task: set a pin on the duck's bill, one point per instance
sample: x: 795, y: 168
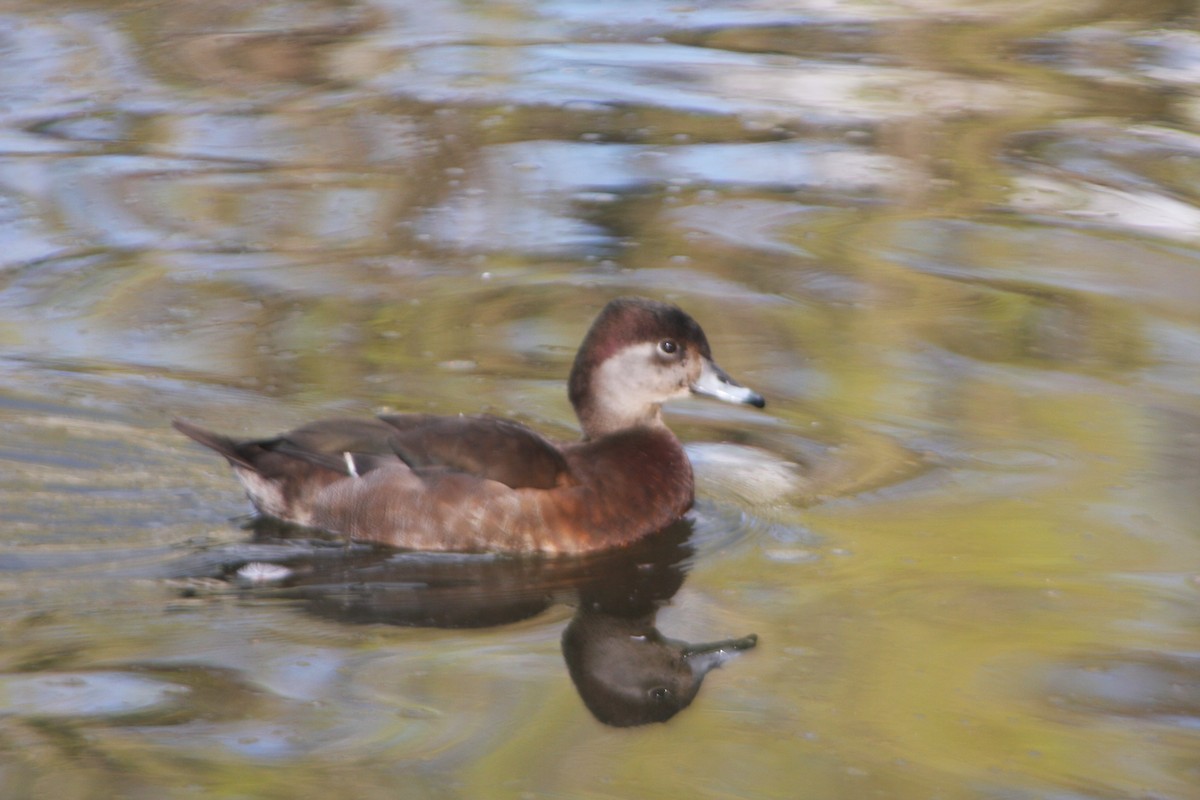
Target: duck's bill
x: 713, y: 382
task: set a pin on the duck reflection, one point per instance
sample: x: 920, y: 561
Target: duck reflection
x: 629, y: 674
x: 625, y: 670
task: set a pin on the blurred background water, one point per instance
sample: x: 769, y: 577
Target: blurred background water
x: 955, y: 244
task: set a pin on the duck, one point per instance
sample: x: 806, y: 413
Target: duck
x: 487, y: 484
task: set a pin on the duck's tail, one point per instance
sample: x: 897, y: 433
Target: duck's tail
x: 226, y: 446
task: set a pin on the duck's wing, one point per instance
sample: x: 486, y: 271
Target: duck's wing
x: 484, y: 446
x: 343, y: 446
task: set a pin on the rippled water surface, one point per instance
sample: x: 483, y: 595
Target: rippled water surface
x: 955, y: 244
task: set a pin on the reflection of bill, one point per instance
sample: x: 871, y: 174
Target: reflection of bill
x: 625, y: 670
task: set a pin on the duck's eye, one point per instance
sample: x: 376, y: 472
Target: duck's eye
x: 668, y: 347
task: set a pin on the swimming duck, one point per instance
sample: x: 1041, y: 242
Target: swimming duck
x: 482, y: 483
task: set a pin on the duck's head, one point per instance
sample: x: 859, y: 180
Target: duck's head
x: 637, y: 355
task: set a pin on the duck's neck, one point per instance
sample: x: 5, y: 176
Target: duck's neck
x: 602, y: 419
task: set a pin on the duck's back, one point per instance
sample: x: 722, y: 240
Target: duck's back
x: 484, y: 446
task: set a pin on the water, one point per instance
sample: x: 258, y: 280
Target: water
x: 957, y: 246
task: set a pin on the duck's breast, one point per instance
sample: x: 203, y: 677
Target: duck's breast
x: 631, y: 484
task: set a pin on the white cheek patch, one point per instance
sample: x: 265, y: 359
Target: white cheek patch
x: 635, y: 378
